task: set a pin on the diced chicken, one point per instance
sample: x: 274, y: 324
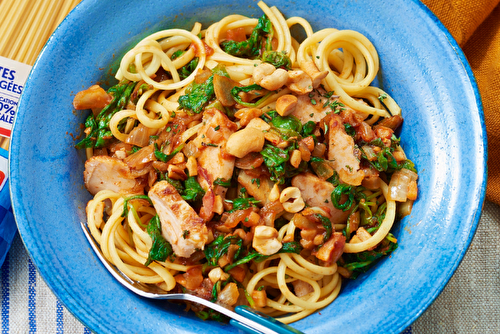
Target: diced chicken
x: 312, y: 71
x: 299, y: 82
x: 315, y: 106
x: 316, y: 193
x: 216, y: 130
x: 92, y: 98
x: 103, y: 172
x: 259, y: 188
x: 311, y: 107
x: 176, y: 217
x: 341, y: 153
x: 301, y: 288
x: 331, y: 250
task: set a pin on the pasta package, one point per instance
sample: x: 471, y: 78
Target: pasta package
x: 239, y: 164
x: 25, y: 27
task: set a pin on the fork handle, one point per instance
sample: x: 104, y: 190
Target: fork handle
x: 262, y: 319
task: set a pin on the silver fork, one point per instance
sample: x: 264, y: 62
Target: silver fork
x: 243, y: 317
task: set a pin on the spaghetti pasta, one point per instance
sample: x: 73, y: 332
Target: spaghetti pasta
x: 26, y: 28
x: 241, y: 165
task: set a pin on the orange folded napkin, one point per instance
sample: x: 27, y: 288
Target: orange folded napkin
x: 475, y: 25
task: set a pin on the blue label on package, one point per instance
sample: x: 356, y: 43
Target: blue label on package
x: 7, y: 223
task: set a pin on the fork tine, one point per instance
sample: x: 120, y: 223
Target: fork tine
x: 117, y: 274
x: 239, y: 321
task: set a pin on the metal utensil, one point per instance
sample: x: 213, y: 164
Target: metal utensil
x: 243, y: 317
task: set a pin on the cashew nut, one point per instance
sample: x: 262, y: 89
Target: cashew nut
x: 312, y: 71
x: 217, y: 274
x: 274, y: 194
x: 295, y: 158
x: 267, y: 76
x: 299, y: 82
x: 218, y: 205
x: 286, y: 104
x: 245, y: 141
x: 261, y: 71
x: 265, y: 240
x: 245, y: 115
x: 176, y: 173
x: 259, y: 124
x: 192, y: 166
x: 292, y: 201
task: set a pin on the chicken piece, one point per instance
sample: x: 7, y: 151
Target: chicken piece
x: 331, y: 250
x: 316, y: 193
x: 299, y: 82
x: 259, y: 188
x: 94, y: 98
x: 176, y: 217
x: 315, y: 106
x: 341, y: 153
x: 103, y: 172
x: 311, y: 107
x: 214, y: 159
x: 302, y: 288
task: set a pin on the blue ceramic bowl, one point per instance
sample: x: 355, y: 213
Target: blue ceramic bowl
x: 422, y: 67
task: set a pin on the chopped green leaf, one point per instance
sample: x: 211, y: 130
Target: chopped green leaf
x: 236, y: 90
x: 161, y: 248
x: 193, y: 191
x: 222, y: 182
x: 166, y: 157
x: 127, y: 200
x: 251, y: 47
x: 187, y: 69
x: 98, y: 127
x: 277, y: 59
x: 214, y: 250
x: 288, y: 247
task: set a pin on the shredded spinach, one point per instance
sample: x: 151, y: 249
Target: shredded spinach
x: 277, y: 162
x: 242, y: 203
x: 193, y: 192
x: 166, y: 157
x: 252, y: 46
x: 222, y: 182
x: 187, y: 69
x: 125, y: 202
x: 236, y: 90
x: 308, y: 129
x: 358, y: 263
x: 275, y: 159
x: 161, y: 248
x: 199, y: 94
x: 349, y: 129
x: 288, y: 247
x: 336, y: 196
x: 98, y: 126
x: 277, y: 59
x: 176, y: 183
x: 327, y: 225
x: 217, y: 248
x: 290, y: 124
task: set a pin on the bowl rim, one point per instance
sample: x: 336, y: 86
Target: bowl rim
x: 69, y: 301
